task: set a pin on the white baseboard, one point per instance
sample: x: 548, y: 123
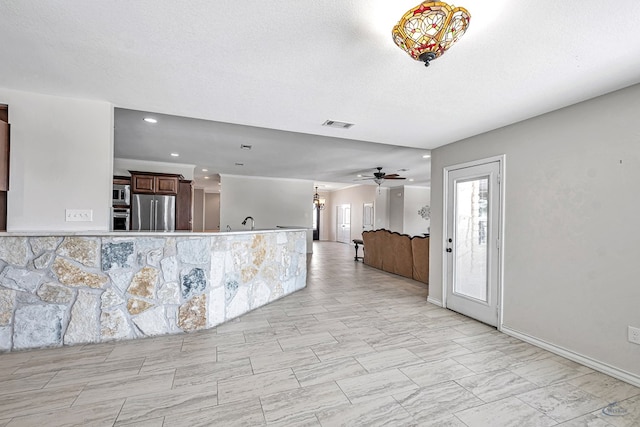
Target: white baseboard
x: 612, y: 371
x: 434, y: 301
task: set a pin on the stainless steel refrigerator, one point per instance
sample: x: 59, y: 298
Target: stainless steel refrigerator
x: 153, y: 212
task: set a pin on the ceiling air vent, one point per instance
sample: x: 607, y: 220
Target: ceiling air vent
x: 336, y: 124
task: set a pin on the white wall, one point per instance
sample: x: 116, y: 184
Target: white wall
x: 212, y: 211
x: 123, y: 166
x: 270, y: 201
x: 571, y: 275
x: 414, y: 199
x: 61, y: 158
x: 396, y: 209
x: 381, y: 208
x: 404, y: 203
x: 198, y: 209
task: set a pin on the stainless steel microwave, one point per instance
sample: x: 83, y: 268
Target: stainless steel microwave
x: 121, y: 195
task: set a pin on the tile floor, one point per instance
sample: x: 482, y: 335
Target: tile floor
x: 357, y: 347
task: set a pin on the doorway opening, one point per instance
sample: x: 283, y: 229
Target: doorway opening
x: 316, y: 222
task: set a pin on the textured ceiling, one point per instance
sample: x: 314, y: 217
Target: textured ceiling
x: 289, y: 65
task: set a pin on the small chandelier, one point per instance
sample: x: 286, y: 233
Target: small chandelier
x: 426, y: 31
x: 317, y: 201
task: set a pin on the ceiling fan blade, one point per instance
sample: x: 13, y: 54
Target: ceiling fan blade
x: 394, y: 177
x: 391, y: 175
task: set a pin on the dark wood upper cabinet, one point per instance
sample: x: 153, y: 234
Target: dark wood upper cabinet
x: 166, y: 184
x: 142, y: 184
x: 152, y: 183
x: 121, y: 180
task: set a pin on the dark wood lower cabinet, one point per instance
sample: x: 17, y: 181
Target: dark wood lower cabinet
x: 184, y: 206
x: 3, y: 211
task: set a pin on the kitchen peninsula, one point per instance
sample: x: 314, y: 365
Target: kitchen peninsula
x: 65, y: 288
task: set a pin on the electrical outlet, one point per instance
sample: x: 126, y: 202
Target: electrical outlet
x: 634, y: 335
x: 78, y: 215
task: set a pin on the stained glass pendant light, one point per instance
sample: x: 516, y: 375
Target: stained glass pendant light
x: 426, y: 31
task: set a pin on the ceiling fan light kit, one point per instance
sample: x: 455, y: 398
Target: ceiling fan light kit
x: 426, y: 31
x: 379, y: 176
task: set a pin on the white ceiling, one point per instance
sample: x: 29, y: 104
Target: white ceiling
x: 289, y: 65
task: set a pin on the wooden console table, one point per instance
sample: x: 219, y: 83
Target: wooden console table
x: 358, y: 242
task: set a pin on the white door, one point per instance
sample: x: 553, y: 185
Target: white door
x: 367, y: 216
x: 472, y: 240
x: 343, y: 226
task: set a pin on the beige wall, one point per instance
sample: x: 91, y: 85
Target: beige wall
x: 356, y: 196
x: 571, y: 275
x: 325, y: 215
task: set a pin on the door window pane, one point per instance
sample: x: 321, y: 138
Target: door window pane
x: 471, y: 238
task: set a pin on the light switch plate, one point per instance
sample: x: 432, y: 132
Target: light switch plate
x: 78, y: 215
x: 634, y: 335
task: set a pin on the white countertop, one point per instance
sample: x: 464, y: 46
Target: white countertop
x: 102, y: 233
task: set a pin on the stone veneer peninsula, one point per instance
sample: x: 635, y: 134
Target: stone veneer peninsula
x: 70, y: 288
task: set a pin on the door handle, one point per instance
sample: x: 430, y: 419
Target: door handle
x: 449, y: 250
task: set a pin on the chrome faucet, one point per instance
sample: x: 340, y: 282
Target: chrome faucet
x: 253, y: 223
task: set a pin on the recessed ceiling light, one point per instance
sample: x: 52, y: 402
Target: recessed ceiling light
x: 205, y: 170
x: 150, y: 120
x: 245, y: 147
x: 359, y: 176
x: 239, y: 164
x: 219, y: 183
x: 175, y: 155
x: 206, y: 177
x: 426, y: 156
x: 337, y: 124
x: 411, y: 180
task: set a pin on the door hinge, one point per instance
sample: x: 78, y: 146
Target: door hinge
x: 498, y: 244
x: 499, y: 178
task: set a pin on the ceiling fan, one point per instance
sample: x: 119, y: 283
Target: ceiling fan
x: 379, y: 177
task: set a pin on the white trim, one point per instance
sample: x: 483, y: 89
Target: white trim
x: 502, y: 184
x: 434, y: 301
x: 612, y: 371
x: 501, y: 159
